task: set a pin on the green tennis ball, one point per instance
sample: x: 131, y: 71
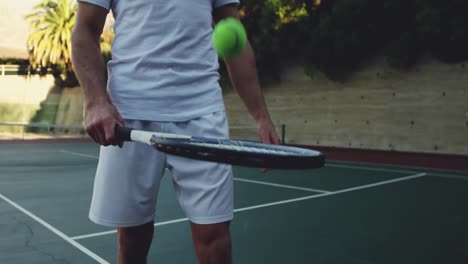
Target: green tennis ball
x: 229, y: 38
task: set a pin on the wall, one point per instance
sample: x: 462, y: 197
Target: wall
x: 71, y: 108
x: 20, y: 96
x: 424, y: 109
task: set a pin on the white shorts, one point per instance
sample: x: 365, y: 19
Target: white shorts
x: 127, y: 180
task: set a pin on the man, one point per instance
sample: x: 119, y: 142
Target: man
x: 162, y: 77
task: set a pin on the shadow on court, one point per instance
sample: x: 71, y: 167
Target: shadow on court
x: 343, y: 213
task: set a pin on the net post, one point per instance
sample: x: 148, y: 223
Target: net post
x: 283, y: 134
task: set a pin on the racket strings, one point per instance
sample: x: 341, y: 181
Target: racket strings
x: 243, y: 148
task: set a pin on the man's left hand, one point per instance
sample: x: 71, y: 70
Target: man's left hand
x: 267, y: 132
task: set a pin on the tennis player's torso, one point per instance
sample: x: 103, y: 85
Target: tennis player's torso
x: 179, y: 27
x: 163, y: 57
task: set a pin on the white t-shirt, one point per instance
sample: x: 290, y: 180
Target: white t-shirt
x: 164, y: 66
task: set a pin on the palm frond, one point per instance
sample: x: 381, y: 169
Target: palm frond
x: 51, y: 23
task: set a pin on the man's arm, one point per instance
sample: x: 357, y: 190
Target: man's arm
x: 243, y: 73
x: 101, y: 115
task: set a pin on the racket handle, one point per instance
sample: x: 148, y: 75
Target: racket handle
x: 123, y: 132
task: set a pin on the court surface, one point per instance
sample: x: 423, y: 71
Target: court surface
x: 342, y: 213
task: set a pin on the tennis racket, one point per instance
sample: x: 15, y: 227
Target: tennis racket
x: 235, y: 152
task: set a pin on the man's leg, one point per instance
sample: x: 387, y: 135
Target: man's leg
x: 212, y: 243
x: 134, y: 243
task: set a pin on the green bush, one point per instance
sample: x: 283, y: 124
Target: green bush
x: 339, y: 36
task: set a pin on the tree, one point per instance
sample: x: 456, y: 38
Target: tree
x: 49, y: 43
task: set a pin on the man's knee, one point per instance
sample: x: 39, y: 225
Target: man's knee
x: 212, y: 243
x: 135, y: 241
x: 222, y: 243
x: 214, y: 236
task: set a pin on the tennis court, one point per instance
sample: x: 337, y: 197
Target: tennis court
x: 342, y: 213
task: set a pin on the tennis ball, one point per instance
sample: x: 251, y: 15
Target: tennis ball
x: 229, y: 38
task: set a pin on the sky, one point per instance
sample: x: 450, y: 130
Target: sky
x: 22, y: 6
x: 14, y: 29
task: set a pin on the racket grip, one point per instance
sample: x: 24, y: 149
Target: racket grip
x: 123, y: 132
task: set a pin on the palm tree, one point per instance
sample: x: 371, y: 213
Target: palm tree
x: 49, y: 43
x: 107, y: 37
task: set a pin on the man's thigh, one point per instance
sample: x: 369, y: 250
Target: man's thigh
x: 127, y: 182
x: 204, y: 189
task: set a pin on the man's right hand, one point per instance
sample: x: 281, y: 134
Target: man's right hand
x: 100, y: 122
x: 89, y: 66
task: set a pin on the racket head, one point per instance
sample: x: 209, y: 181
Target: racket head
x: 241, y: 153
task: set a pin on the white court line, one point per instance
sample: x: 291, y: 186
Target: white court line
x: 359, y: 167
x: 282, y: 185
x: 79, y: 154
x: 429, y: 173
x: 398, y: 167
x: 333, y: 193
x: 56, y: 231
x: 115, y: 231
x: 278, y: 202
